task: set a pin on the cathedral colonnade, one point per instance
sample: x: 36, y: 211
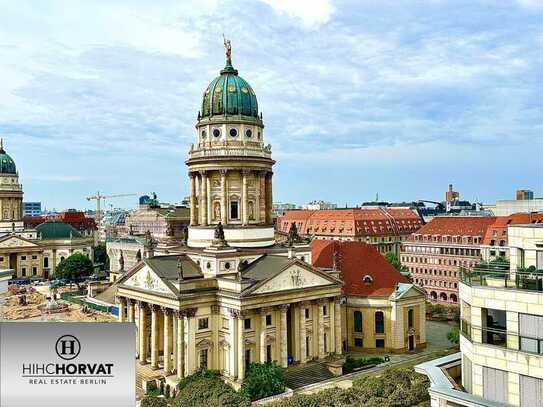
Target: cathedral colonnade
x: 178, y: 342
x: 231, y: 196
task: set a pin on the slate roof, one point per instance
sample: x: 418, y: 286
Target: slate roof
x: 355, y: 261
x: 166, y: 267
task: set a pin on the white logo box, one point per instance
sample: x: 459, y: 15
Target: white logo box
x: 64, y: 364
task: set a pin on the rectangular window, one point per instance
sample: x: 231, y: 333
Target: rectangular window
x: 23, y: 272
x: 531, y: 391
x: 379, y: 322
x: 247, y: 358
x: 34, y: 257
x: 494, y: 327
x: 268, y: 353
x: 268, y: 320
x: 307, y: 313
x: 531, y: 333
x: 495, y: 385
x: 324, y: 310
x: 358, y: 342
x: 203, y: 359
x: 379, y: 343
x: 410, y: 318
x: 247, y: 323
x: 234, y: 210
x: 357, y: 316
x: 203, y: 323
x: 539, y: 259
x: 23, y: 257
x: 34, y: 271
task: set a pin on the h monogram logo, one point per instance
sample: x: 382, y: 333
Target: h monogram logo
x: 68, y: 347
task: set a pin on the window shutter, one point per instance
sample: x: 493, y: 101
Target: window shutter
x: 495, y: 385
x: 531, y: 391
x: 531, y: 326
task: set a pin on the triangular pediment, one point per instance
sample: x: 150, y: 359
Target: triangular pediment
x: 16, y: 241
x: 295, y: 277
x: 411, y: 292
x: 146, y: 279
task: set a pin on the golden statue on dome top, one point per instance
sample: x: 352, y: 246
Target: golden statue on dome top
x: 228, y: 48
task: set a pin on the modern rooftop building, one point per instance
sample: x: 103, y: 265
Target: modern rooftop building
x: 501, y: 344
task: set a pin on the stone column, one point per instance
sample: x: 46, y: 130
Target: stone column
x: 143, y: 333
x: 263, y: 313
x: 224, y: 198
x: 154, y: 336
x: 180, y: 344
x: 167, y: 340
x: 269, y: 198
x: 245, y: 198
x: 131, y: 311
x: 203, y: 198
x: 193, y: 210
x: 263, y: 202
x: 234, y: 335
x: 337, y: 326
x: 209, y: 200
x: 284, y: 339
x: 122, y: 309
x: 190, y: 355
x: 241, y: 348
x: 321, y: 328
x: 303, y: 347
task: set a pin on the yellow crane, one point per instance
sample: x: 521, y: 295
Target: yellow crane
x: 99, y: 198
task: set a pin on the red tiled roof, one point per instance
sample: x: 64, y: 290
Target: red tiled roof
x: 457, y: 226
x: 352, y: 222
x: 501, y: 223
x: 355, y: 261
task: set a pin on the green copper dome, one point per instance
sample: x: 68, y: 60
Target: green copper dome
x: 229, y: 94
x: 7, y: 165
x: 54, y: 229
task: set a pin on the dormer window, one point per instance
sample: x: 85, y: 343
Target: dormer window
x: 367, y: 280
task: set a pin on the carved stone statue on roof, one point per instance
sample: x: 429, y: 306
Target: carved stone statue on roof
x: 228, y: 49
x: 185, y: 235
x: 293, y: 236
x: 150, y: 242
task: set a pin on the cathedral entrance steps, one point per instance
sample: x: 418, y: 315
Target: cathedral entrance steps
x: 306, y: 374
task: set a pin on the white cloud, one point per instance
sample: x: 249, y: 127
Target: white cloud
x: 312, y: 13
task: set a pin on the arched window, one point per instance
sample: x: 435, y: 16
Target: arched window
x: 357, y: 315
x: 379, y: 322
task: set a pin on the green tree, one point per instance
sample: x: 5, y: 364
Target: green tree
x: 263, y: 380
x: 150, y: 401
x: 393, y: 259
x: 454, y: 336
x: 101, y: 257
x: 74, y: 268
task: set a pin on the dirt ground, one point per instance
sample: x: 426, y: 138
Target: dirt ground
x: 22, y: 303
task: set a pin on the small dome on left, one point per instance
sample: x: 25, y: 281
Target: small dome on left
x: 7, y: 165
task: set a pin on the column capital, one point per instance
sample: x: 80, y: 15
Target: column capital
x: 264, y: 311
x: 190, y: 312
x: 338, y: 300
x: 234, y: 313
x: 304, y: 303
x: 283, y: 308
x: 323, y: 301
x: 166, y: 310
x: 153, y: 307
x: 223, y: 171
x: 203, y: 173
x: 246, y: 172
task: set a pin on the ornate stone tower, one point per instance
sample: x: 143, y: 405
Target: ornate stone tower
x: 11, y: 192
x: 230, y: 168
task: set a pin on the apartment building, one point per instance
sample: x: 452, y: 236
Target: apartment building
x: 501, y: 345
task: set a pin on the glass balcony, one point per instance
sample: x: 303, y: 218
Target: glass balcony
x: 519, y: 280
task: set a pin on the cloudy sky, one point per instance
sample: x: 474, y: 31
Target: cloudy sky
x: 396, y: 97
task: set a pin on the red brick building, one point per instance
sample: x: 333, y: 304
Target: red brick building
x: 383, y: 228
x: 435, y: 253
x: 495, y: 242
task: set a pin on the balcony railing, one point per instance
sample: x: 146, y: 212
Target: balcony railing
x: 520, y: 280
x: 499, y: 337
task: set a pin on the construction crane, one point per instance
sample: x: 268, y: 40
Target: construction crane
x: 99, y: 198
